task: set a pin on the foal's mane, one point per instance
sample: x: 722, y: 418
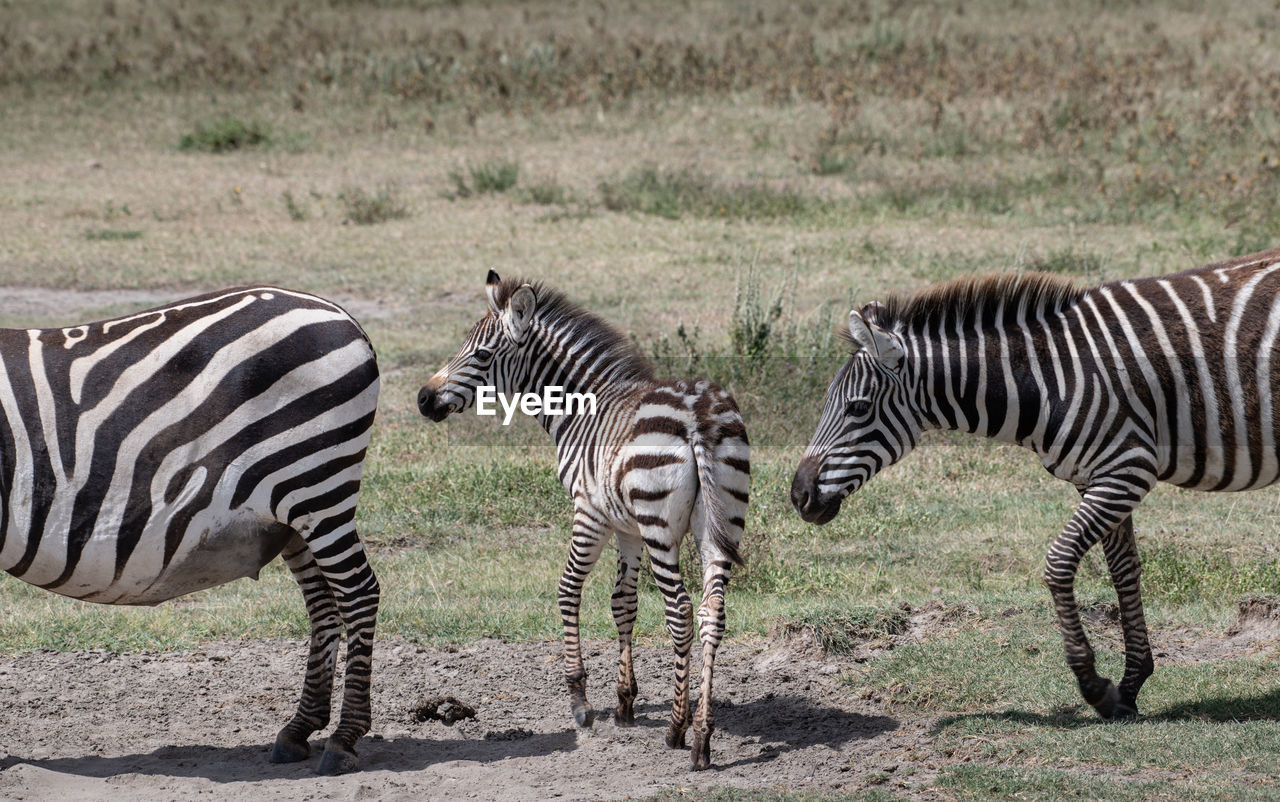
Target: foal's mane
x: 575, y: 323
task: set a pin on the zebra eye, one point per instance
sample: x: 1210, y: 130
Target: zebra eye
x: 484, y: 354
x: 857, y: 409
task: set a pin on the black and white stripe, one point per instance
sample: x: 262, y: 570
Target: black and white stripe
x: 656, y: 460
x: 1115, y: 388
x: 157, y: 454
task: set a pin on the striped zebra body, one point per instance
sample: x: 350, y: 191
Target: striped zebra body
x: 652, y: 461
x: 1115, y: 388
x: 153, y: 455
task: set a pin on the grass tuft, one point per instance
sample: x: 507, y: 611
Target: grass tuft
x: 366, y: 208
x: 225, y: 134
x: 673, y: 193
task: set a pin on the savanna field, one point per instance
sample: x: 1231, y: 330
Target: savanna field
x: 722, y: 181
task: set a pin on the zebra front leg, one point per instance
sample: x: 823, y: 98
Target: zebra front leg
x: 1126, y: 570
x: 711, y: 630
x: 665, y: 561
x: 356, y: 591
x: 317, y: 687
x: 624, y: 617
x: 1101, y: 510
x: 584, y: 550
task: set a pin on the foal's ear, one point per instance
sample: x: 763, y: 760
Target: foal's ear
x: 884, y: 345
x: 491, y: 284
x: 520, y: 309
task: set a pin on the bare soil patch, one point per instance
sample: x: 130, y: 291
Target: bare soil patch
x: 90, y: 725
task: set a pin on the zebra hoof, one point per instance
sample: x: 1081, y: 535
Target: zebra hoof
x: 675, y: 737
x: 285, y: 751
x: 624, y: 716
x: 584, y: 715
x: 1109, y: 702
x: 1124, y: 710
x: 700, y: 751
x: 334, y: 762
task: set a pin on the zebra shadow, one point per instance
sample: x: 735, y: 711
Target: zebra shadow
x: 781, y: 724
x: 1249, y: 707
x: 249, y: 763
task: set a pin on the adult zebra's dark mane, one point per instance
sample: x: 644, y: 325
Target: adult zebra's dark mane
x: 559, y: 313
x: 978, y: 298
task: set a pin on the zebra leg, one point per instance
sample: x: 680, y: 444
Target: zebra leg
x: 1126, y: 570
x: 1102, y: 509
x: 665, y: 560
x: 624, y: 617
x: 355, y: 589
x: 584, y: 550
x: 317, y: 688
x: 711, y: 630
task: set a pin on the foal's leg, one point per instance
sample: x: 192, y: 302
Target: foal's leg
x: 624, y: 617
x: 665, y: 560
x: 584, y: 550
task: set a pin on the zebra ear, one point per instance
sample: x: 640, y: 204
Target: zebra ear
x: 491, y: 284
x: 881, y: 343
x: 520, y: 310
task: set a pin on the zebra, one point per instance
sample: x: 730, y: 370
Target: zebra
x: 1114, y: 387
x: 655, y: 460
x: 182, y: 447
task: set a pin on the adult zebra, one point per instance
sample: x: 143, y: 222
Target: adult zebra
x: 651, y: 461
x: 1115, y: 388
x: 153, y: 455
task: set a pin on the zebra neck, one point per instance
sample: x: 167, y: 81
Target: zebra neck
x: 581, y: 367
x: 981, y: 380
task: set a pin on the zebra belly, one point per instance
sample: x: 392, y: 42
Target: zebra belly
x: 221, y: 553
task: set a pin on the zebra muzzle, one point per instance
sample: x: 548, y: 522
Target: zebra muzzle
x: 431, y: 406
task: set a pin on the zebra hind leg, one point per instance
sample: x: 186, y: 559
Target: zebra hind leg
x: 356, y: 590
x: 665, y: 561
x: 624, y: 617
x: 1122, y: 562
x: 711, y: 630
x: 317, y: 688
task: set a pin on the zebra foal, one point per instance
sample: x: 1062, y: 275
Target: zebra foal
x: 1114, y: 387
x: 649, y: 462
x: 157, y: 454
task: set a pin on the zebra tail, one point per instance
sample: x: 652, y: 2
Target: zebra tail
x: 717, y: 525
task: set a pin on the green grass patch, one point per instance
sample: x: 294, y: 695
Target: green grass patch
x: 365, y: 208
x: 483, y: 178
x: 674, y: 193
x: 225, y: 134
x: 111, y: 234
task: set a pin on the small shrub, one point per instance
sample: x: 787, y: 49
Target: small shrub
x: 225, y: 134
x: 494, y: 176
x: 546, y: 193
x: 364, y: 208
x: 486, y: 177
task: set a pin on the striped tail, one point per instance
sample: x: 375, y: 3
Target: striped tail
x: 717, y: 525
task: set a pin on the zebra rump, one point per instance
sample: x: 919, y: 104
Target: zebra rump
x: 171, y: 450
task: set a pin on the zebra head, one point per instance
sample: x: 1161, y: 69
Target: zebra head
x: 489, y: 356
x: 868, y: 421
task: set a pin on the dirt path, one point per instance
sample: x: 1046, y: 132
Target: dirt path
x: 89, y: 725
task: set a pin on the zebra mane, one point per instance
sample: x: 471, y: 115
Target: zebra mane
x: 577, y: 324
x: 973, y: 299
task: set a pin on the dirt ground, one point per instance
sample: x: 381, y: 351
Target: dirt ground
x: 93, y: 725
